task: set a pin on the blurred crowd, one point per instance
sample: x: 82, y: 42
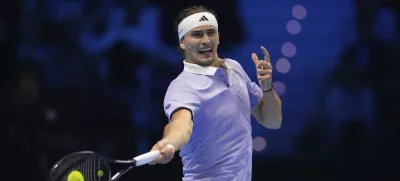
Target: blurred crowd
x: 357, y: 117
x: 88, y: 75
x: 85, y: 75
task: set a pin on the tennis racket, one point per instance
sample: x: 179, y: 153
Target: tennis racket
x: 90, y: 166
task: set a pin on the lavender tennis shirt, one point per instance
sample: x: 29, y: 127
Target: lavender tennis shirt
x: 220, y: 148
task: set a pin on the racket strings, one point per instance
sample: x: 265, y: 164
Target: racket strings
x: 67, y: 166
x: 92, y: 167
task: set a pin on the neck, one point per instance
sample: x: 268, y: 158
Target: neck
x: 217, y: 62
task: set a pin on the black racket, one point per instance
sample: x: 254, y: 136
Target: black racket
x: 90, y: 166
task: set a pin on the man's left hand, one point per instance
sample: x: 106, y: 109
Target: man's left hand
x: 264, y: 70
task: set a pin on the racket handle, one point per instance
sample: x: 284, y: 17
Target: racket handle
x: 148, y: 157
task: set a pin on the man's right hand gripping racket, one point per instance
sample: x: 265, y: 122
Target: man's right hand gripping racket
x: 90, y: 166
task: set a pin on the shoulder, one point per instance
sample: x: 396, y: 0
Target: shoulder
x: 182, y: 84
x: 182, y: 92
x: 182, y: 80
x: 233, y: 63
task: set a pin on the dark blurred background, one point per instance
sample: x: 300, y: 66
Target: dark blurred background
x: 92, y: 74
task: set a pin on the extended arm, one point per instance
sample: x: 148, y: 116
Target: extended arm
x: 178, y: 131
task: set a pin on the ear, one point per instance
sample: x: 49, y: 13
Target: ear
x: 181, y: 44
x: 218, y: 39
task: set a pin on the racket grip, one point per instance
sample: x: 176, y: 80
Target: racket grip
x: 146, y: 158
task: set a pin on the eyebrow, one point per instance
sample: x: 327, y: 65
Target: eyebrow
x: 199, y: 31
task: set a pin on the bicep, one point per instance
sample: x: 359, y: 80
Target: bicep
x: 183, y: 115
x: 181, y: 121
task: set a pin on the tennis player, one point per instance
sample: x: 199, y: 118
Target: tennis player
x: 209, y: 105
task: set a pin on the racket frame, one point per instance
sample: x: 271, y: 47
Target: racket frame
x: 131, y: 162
x: 54, y: 167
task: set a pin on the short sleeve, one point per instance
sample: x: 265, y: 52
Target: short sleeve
x: 180, y: 96
x: 255, y: 93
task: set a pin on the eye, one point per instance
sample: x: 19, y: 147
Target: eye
x: 197, y: 34
x: 211, y: 33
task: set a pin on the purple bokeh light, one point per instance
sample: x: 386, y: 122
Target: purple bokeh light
x: 299, y: 12
x: 279, y: 88
x: 259, y: 143
x: 288, y: 49
x: 282, y: 65
x: 293, y: 27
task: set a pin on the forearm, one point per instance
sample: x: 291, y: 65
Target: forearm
x: 269, y: 111
x: 178, y: 133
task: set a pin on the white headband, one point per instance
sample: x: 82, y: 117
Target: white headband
x: 195, y: 20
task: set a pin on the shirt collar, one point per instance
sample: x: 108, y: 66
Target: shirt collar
x: 198, y: 69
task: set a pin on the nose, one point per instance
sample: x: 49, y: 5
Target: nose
x: 205, y: 39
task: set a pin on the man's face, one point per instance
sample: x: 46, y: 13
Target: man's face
x: 200, y: 45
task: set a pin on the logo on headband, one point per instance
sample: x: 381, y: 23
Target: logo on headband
x: 203, y: 18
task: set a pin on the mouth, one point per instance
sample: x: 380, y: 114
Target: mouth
x: 205, y: 50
